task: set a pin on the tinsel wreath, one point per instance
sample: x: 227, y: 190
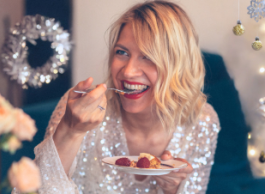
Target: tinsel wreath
x: 15, y: 51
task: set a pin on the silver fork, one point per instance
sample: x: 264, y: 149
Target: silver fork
x: 125, y: 91
x: 167, y: 165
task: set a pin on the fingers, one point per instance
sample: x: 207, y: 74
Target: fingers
x: 101, y: 103
x: 188, y: 169
x: 91, y: 100
x: 83, y: 85
x: 85, y: 100
x: 162, y: 181
x: 168, y: 184
x: 179, y: 175
x: 98, y: 115
x: 171, y: 180
x: 95, y: 93
x: 166, y: 155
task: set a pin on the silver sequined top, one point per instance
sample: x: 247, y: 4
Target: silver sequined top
x: 89, y: 176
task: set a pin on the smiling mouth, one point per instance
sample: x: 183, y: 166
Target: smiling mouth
x: 135, y: 88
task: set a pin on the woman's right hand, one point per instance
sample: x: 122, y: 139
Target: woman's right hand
x: 82, y: 112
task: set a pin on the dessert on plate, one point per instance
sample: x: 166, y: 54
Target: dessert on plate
x: 154, y: 161
x: 144, y: 161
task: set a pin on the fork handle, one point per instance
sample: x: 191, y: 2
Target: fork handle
x: 83, y: 92
x: 89, y: 90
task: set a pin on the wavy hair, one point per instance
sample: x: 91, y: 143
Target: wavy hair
x: 165, y: 34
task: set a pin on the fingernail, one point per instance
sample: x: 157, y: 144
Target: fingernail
x: 105, y: 86
x: 175, y: 170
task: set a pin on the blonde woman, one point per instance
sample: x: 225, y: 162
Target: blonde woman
x: 153, y: 48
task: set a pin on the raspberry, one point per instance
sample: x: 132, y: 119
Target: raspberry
x: 143, y: 163
x: 123, y: 162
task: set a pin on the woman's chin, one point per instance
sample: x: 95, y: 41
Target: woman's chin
x: 133, y: 110
x: 135, y: 106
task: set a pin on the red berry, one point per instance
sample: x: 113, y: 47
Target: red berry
x: 143, y: 163
x: 123, y: 162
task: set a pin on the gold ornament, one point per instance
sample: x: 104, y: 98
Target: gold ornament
x: 239, y: 29
x: 257, y: 44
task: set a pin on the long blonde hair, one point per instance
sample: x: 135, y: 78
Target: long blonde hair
x: 165, y: 34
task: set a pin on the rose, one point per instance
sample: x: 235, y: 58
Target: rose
x: 25, y: 176
x: 24, y: 128
x: 12, y: 144
x: 4, y: 103
x: 7, y: 117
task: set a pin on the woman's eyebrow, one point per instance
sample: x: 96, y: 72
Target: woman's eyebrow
x: 123, y: 47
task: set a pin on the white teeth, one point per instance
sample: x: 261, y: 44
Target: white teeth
x: 134, y: 87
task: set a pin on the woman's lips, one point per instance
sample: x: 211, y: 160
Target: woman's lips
x: 132, y: 83
x: 133, y: 96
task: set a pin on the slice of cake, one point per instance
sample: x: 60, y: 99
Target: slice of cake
x: 154, y: 161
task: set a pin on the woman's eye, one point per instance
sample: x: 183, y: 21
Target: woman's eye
x: 121, y: 52
x: 146, y: 57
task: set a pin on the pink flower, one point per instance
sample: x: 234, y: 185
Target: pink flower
x: 12, y: 144
x: 7, y: 117
x: 25, y: 176
x: 24, y: 128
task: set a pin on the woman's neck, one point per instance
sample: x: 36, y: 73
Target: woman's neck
x: 141, y: 123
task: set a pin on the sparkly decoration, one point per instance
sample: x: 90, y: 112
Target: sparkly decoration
x: 239, y: 29
x: 256, y: 9
x: 262, y: 157
x: 15, y: 51
x: 257, y: 44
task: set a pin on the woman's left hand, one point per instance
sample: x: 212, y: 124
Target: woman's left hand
x: 169, y: 183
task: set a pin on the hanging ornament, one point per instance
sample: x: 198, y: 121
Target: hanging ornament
x: 256, y: 9
x: 239, y: 29
x: 257, y: 44
x: 261, y: 108
x: 262, y: 157
x: 15, y: 51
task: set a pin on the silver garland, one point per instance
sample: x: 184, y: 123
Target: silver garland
x: 15, y: 51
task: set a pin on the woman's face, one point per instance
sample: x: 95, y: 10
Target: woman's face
x: 131, y: 69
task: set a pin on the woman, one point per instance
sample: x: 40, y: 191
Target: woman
x: 153, y: 48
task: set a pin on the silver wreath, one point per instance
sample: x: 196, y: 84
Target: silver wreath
x: 15, y: 51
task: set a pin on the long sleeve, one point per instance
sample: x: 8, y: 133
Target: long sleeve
x: 202, y: 157
x: 197, y: 145
x: 54, y: 178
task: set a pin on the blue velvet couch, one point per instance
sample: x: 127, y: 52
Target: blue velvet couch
x: 231, y: 171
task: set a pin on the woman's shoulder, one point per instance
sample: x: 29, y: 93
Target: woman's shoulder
x: 209, y: 114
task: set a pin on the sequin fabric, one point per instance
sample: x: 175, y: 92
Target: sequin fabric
x: 88, y: 175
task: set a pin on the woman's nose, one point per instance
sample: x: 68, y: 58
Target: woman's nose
x: 132, y: 68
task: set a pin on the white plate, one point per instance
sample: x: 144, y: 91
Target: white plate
x: 145, y: 171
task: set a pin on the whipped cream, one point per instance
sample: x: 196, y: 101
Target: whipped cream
x: 148, y: 156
